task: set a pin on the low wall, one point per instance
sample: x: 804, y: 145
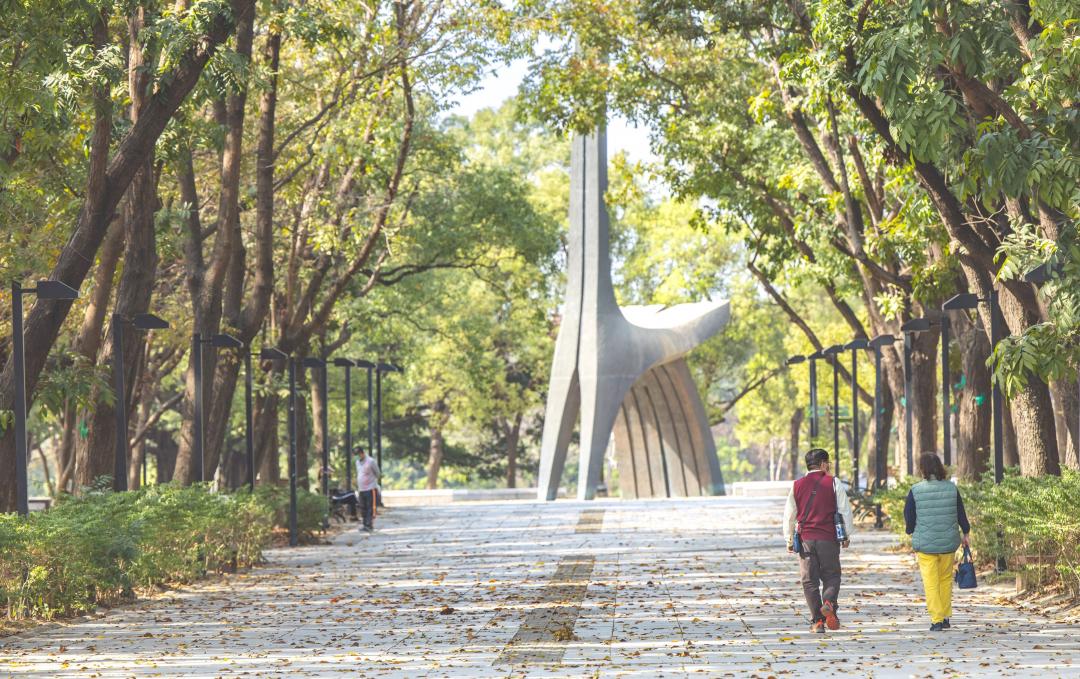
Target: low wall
x: 442, y: 496
x: 759, y: 488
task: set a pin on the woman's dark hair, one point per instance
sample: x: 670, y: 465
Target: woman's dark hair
x: 815, y: 456
x: 930, y: 466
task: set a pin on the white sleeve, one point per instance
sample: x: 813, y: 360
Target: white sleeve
x: 789, y: 516
x: 843, y: 505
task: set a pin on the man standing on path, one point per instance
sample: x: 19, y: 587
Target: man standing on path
x: 367, y: 486
x: 815, y: 506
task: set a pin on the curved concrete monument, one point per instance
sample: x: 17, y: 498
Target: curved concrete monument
x: 624, y: 368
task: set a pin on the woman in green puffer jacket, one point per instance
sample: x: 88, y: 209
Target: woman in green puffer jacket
x: 937, y: 523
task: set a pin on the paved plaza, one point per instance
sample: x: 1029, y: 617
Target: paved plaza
x: 660, y: 588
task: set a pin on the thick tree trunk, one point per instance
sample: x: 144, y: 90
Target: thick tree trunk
x: 973, y: 452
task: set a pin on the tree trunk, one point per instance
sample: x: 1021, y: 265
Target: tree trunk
x: 793, y: 446
x: 973, y: 404
x: 319, y: 435
x: 1067, y: 407
x: 435, y: 451
x: 1011, y: 451
x: 513, y: 436
x: 138, y: 451
x: 303, y: 431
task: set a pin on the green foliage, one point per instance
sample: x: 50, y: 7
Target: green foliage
x: 1033, y: 522
x: 100, y: 548
x: 311, y: 508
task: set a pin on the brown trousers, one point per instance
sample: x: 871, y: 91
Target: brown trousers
x: 819, y: 570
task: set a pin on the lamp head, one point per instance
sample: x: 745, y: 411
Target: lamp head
x: 860, y: 343
x: 225, y: 341
x: 833, y: 350
x: 965, y: 300
x: 344, y: 363
x: 55, y: 290
x: 795, y: 360
x: 917, y: 325
x: 882, y: 341
x: 1039, y: 274
x: 313, y: 362
x: 272, y: 354
x: 361, y: 363
x: 817, y: 355
x: 149, y: 322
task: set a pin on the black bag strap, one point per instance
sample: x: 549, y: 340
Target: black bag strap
x: 810, y: 504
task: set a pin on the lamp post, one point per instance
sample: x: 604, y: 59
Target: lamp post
x: 50, y: 290
x: 348, y: 364
x: 219, y: 341
x: 880, y: 437
x: 814, y: 428
x: 320, y: 364
x: 911, y: 328
x: 120, y: 456
x: 854, y: 346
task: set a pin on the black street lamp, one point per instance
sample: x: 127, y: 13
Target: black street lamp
x: 911, y: 328
x: 814, y: 428
x: 219, y: 341
x: 380, y: 369
x: 51, y: 290
x: 348, y: 364
x: 854, y: 346
x: 120, y: 457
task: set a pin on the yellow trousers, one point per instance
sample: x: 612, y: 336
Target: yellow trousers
x: 937, y: 579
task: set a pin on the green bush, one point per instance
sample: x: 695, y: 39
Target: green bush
x: 98, y: 549
x: 1033, y: 522
x: 312, y: 509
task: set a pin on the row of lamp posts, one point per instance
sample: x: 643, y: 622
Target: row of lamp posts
x: 59, y: 291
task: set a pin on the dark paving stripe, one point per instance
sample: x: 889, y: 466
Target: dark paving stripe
x: 549, y: 625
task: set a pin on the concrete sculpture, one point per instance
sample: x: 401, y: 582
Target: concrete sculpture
x: 623, y: 368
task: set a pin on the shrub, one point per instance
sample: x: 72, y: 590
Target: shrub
x: 98, y: 549
x: 1033, y: 522
x: 312, y: 509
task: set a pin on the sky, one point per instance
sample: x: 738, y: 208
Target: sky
x: 502, y: 82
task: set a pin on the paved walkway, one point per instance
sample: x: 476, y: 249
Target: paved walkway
x: 610, y: 589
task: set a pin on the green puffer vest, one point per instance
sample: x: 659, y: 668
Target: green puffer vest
x: 936, y: 529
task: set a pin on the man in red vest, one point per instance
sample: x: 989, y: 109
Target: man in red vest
x: 816, y: 504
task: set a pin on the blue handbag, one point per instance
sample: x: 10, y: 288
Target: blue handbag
x: 965, y: 571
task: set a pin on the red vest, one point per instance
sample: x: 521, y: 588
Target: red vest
x: 818, y: 524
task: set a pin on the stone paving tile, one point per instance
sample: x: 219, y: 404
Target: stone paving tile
x: 677, y: 589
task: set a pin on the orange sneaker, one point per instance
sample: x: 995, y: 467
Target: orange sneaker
x: 818, y: 627
x: 828, y: 609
